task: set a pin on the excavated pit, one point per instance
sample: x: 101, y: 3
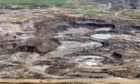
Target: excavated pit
x: 71, y: 47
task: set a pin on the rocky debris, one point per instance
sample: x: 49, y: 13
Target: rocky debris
x: 60, y: 68
x: 129, y: 73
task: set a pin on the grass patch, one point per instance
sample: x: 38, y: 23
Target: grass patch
x: 60, y: 3
x: 83, y: 5
x: 132, y: 14
x: 9, y: 18
x: 91, y: 13
x: 34, y: 2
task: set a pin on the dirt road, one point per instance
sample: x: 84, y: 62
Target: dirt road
x: 104, y: 80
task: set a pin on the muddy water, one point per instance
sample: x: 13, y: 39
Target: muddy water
x: 116, y: 36
x: 3, y: 57
x: 95, y: 75
x: 68, y: 47
x: 91, y: 44
x: 101, y: 36
x: 103, y: 29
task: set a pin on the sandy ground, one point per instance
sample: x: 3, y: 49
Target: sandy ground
x: 105, y: 80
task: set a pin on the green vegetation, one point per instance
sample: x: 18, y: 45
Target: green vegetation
x: 132, y: 14
x: 27, y: 3
x: 34, y: 2
x: 91, y: 13
x: 60, y: 3
x: 10, y: 18
x: 83, y: 5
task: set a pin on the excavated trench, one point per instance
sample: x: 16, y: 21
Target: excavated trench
x: 67, y: 47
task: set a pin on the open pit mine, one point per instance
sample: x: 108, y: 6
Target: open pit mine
x: 67, y: 47
x: 53, y: 46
